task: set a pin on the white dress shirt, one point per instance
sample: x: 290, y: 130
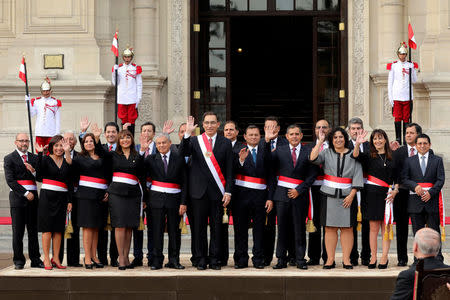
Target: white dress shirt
x: 297, y: 149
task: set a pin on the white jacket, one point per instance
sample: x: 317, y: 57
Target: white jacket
x: 48, y: 115
x: 398, y: 81
x: 130, y: 84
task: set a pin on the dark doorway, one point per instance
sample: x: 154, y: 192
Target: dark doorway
x: 271, y: 70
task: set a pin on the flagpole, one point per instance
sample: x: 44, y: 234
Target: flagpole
x: 116, y: 75
x: 410, y: 89
x: 28, y: 105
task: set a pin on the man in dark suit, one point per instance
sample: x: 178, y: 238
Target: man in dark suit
x: 270, y: 226
x: 316, y: 247
x: 401, y: 215
x: 356, y: 125
x: 252, y: 173
x: 424, y: 176
x: 210, y: 185
x: 20, y: 175
x: 427, y: 243
x: 167, y: 200
x: 291, y: 195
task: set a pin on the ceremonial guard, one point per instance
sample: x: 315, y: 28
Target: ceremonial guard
x: 129, y: 88
x: 47, y: 112
x: 399, y: 92
x: 23, y: 199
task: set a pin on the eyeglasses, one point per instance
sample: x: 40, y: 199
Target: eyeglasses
x: 23, y: 141
x: 323, y: 127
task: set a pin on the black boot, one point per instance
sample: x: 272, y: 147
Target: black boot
x: 404, y: 132
x: 398, y: 132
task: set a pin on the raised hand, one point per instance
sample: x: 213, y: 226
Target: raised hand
x: 168, y: 127
x: 394, y: 145
x: 361, y: 137
x: 39, y: 148
x: 125, y: 126
x: 322, y: 136
x: 270, y: 132
x: 29, y: 167
x: 190, y: 127
x: 243, y: 154
x: 96, y: 131
x: 84, y: 124
x: 145, y: 142
x: 66, y: 145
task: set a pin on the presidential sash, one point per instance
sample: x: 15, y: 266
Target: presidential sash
x: 211, y: 162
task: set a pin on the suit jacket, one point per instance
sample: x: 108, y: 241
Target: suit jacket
x: 399, y: 156
x: 15, y: 170
x: 200, y: 177
x: 434, y: 173
x: 283, y: 166
x: 405, y: 280
x: 366, y: 146
x: 176, y: 173
x: 237, y: 147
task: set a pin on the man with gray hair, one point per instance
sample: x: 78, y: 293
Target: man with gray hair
x: 427, y: 243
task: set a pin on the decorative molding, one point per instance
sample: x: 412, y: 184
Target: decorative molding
x: 7, y: 18
x: 387, y: 108
x: 358, y: 58
x: 145, y: 107
x: 177, y: 57
x: 73, y: 20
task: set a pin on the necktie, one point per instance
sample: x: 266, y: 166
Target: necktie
x: 211, y: 142
x: 422, y: 165
x: 147, y: 152
x: 272, y: 144
x: 294, y: 156
x: 110, y: 148
x: 411, y: 152
x: 24, y: 157
x: 165, y: 163
x: 254, y: 155
x: 321, y: 147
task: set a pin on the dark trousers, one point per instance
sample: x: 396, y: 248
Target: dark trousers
x: 401, y: 217
x: 21, y: 217
x: 419, y: 220
x: 102, y: 247
x: 204, y: 208
x: 138, y: 240
x: 224, y: 247
x: 316, y: 246
x: 158, y: 222
x: 269, y: 236
x: 292, y: 212
x: 365, y: 247
x: 245, y: 210
x: 73, y: 244
x: 195, y: 255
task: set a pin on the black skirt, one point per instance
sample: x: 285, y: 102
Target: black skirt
x: 124, y: 210
x: 90, y: 213
x: 373, y: 202
x: 52, y: 210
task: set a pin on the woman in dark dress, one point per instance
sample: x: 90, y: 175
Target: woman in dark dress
x: 90, y: 166
x: 54, y: 198
x: 125, y: 194
x: 378, y: 191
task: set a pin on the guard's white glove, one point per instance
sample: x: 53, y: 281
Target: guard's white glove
x: 116, y: 67
x: 392, y: 102
x: 27, y: 98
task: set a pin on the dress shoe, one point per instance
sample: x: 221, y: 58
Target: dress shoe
x: 216, y: 267
x: 177, y: 266
x: 372, y: 266
x: 137, y: 263
x: 98, y: 265
x: 365, y: 262
x: 239, y: 266
x: 402, y: 263
x: 259, y: 266
x: 37, y: 264
x: 201, y: 267
x: 292, y: 262
x: 122, y: 268
x: 130, y: 266
x: 76, y: 265
x: 329, y: 267
x: 114, y: 263
x: 279, y: 265
x: 267, y: 263
x: 54, y: 264
x: 348, y: 267
x: 156, y: 267
x: 89, y: 266
x: 383, y: 266
x: 104, y: 263
x: 313, y: 262
x: 354, y: 262
x: 18, y: 267
x: 48, y: 268
x: 302, y: 266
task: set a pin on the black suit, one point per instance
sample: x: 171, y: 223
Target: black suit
x: 424, y: 212
x: 249, y: 204
x: 405, y: 281
x: 365, y: 227
x: 164, y: 205
x: 292, y: 211
x: 206, y: 196
x: 102, y: 248
x: 23, y: 212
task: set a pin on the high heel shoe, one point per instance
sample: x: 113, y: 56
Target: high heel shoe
x: 383, y: 266
x: 98, y: 265
x: 329, y: 267
x: 56, y: 265
x: 372, y: 266
x: 48, y: 268
x: 348, y: 267
x: 89, y: 266
x: 121, y: 268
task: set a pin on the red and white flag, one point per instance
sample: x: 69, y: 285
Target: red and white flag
x: 22, y: 70
x: 115, y: 47
x: 411, y: 39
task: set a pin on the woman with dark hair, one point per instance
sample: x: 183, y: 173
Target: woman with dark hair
x: 55, y: 197
x: 91, y: 168
x: 125, y: 193
x: 378, y: 190
x: 343, y: 177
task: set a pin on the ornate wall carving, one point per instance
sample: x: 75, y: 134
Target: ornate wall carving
x: 7, y: 20
x: 145, y: 107
x: 177, y: 58
x: 387, y: 108
x: 358, y: 58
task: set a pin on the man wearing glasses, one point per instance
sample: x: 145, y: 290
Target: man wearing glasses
x: 20, y: 176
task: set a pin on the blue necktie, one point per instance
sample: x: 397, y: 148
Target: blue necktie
x: 254, y: 155
x: 272, y: 144
x: 423, y: 166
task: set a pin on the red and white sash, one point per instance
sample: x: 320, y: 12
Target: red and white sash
x: 125, y: 178
x: 93, y: 182
x: 318, y: 181
x: 165, y: 187
x: 250, y: 182
x: 287, y: 182
x: 388, y: 210
x: 211, y: 161
x: 372, y: 180
x: 53, y: 185
x: 337, y: 182
x: 29, y: 185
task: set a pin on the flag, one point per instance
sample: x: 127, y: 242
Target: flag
x: 22, y: 70
x: 114, y: 47
x: 411, y: 39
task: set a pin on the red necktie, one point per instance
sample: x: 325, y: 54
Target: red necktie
x: 147, y: 152
x: 411, y: 152
x: 110, y: 148
x: 294, y: 157
x: 24, y: 157
x: 321, y: 147
x: 211, y: 142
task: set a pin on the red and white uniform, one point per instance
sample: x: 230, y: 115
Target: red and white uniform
x: 48, y: 116
x: 130, y: 84
x: 398, y: 82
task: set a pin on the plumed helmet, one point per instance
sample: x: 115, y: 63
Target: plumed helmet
x: 128, y: 52
x: 46, y: 86
x: 402, y: 49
